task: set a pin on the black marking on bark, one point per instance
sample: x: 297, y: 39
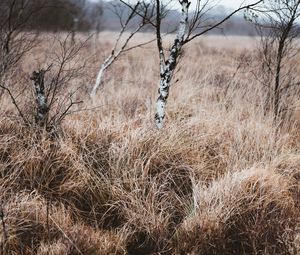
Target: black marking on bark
x: 41, y: 98
x: 159, y: 118
x: 162, y: 98
x: 170, y: 64
x: 173, y: 64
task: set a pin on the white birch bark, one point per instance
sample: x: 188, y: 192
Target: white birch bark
x: 41, y: 99
x: 167, y: 68
x: 113, y: 56
x: 103, y: 67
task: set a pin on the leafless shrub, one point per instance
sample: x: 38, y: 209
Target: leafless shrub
x: 277, y: 24
x: 52, y: 91
x: 15, y: 40
x: 140, y: 15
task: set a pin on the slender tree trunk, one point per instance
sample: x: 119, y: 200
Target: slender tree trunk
x: 116, y: 53
x: 276, y: 94
x: 113, y: 56
x: 103, y: 68
x: 74, y: 29
x: 41, y: 99
x: 280, y: 54
x: 167, y: 68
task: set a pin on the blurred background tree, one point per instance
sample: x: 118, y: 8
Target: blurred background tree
x: 51, y: 15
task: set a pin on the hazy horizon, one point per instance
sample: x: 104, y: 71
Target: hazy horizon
x: 227, y: 3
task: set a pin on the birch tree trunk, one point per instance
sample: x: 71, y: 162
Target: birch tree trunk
x: 103, y: 67
x: 113, y: 57
x: 41, y: 99
x: 167, y: 67
x: 119, y: 48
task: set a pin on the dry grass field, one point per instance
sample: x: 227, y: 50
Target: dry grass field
x: 219, y: 178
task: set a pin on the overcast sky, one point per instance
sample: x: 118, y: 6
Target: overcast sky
x: 231, y: 3
x: 227, y: 3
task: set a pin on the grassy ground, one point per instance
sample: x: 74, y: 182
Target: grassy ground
x: 218, y: 179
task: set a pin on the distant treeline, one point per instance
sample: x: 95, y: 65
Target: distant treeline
x: 86, y: 15
x: 51, y: 15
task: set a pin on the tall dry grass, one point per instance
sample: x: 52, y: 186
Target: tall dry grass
x: 218, y: 179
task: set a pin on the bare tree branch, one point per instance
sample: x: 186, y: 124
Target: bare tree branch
x: 249, y: 6
x: 184, y: 35
x: 120, y: 48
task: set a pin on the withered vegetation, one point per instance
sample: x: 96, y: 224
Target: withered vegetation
x: 219, y: 178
